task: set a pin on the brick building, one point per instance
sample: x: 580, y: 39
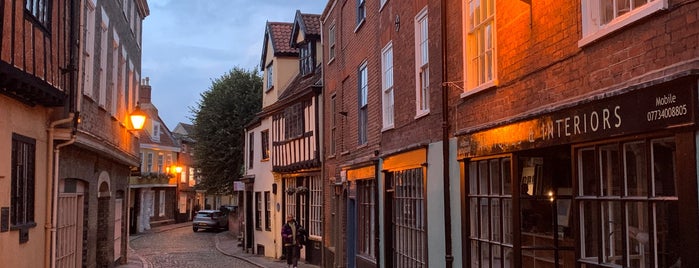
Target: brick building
x: 95, y: 165
x: 383, y: 148
x: 576, y: 134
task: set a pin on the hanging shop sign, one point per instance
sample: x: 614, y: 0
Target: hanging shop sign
x: 663, y: 106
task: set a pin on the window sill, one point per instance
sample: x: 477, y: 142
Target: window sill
x: 331, y: 60
x: 483, y: 87
x: 269, y: 89
x: 423, y: 113
x: 264, y: 160
x: 359, y: 25
x: 387, y: 128
x: 22, y: 226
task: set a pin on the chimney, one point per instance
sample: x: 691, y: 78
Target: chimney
x: 144, y: 93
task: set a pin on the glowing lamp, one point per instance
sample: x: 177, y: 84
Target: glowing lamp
x: 138, y: 118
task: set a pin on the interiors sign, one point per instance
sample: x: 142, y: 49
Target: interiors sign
x: 659, y: 107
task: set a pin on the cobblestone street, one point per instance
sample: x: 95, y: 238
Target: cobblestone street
x: 180, y: 247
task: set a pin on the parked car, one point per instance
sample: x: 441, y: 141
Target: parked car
x: 210, y: 219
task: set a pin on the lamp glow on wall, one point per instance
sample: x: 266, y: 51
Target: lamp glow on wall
x: 138, y: 118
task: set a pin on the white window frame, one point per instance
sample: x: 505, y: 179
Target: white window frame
x: 104, y: 43
x: 331, y: 42
x: 270, y: 76
x: 161, y: 164
x: 115, y: 75
x: 422, y: 70
x: 592, y: 27
x: 89, y: 53
x: 316, y: 218
x: 156, y: 131
x: 382, y: 3
x: 387, y: 86
x: 362, y: 104
x: 474, y: 52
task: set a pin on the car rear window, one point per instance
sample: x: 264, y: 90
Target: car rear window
x: 203, y: 215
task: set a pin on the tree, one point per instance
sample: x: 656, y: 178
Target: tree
x: 219, y: 127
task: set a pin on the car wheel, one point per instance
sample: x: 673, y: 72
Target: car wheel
x: 195, y: 229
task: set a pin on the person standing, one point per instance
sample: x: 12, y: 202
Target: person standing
x: 291, y: 241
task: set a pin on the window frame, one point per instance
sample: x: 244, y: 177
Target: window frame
x: 306, y: 59
x: 161, y: 203
x: 268, y: 211
x: 333, y: 125
x: 332, y: 34
x: 264, y: 144
x: 366, y: 218
x: 593, y: 29
x: 422, y: 64
x: 23, y: 183
x: 258, y: 211
x: 270, y: 76
x: 387, y: 84
x: 315, y: 228
x: 39, y: 12
x: 251, y: 149
x: 471, y: 83
x: 361, y: 13
x: 362, y: 103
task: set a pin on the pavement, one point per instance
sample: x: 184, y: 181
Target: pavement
x: 226, y: 243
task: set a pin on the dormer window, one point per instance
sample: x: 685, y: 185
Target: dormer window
x: 270, y: 77
x: 156, y: 132
x: 306, y: 58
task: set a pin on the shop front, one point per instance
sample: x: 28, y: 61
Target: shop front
x: 606, y: 181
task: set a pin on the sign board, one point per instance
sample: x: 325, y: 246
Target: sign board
x: 238, y: 186
x: 659, y: 107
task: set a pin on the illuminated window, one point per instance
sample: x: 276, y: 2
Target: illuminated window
x: 480, y: 51
x: 387, y: 85
x: 602, y: 17
x: 422, y: 66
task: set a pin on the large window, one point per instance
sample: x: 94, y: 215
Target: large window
x: 627, y: 200
x: 294, y: 121
x: 23, y: 179
x: 161, y: 203
x: 490, y: 213
x: 422, y: 66
x: 480, y: 48
x: 39, y: 9
x: 89, y: 51
x: 258, y: 210
x: 316, y: 218
x: 408, y: 217
x: 366, y: 221
x: 387, y: 85
x: 601, y: 17
x: 268, y: 212
x: 362, y: 98
x: 104, y: 43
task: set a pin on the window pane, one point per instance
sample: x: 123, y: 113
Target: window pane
x: 495, y: 220
x: 483, y: 177
x: 495, y: 177
x: 635, y: 168
x: 612, y: 233
x: 484, y: 206
x: 586, y: 172
x: 589, y: 228
x: 667, y: 224
x: 507, y: 221
x: 664, y: 182
x: 609, y: 168
x: 638, y: 232
x: 474, y: 216
x: 506, y: 178
x: 473, y: 178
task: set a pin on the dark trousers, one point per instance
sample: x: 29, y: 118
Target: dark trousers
x: 292, y: 255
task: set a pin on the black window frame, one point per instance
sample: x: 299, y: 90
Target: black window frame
x: 40, y: 12
x: 264, y: 144
x: 23, y: 182
x: 306, y: 59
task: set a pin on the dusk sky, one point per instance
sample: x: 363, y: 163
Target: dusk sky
x: 187, y: 44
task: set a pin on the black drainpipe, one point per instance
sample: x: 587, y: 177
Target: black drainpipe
x: 445, y: 142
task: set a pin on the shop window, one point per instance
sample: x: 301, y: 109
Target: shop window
x: 366, y: 191
x: 628, y: 204
x: 409, y: 232
x: 490, y: 212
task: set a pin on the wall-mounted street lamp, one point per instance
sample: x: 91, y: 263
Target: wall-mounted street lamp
x: 138, y: 118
